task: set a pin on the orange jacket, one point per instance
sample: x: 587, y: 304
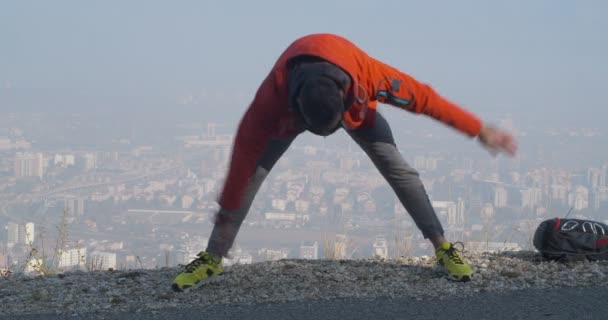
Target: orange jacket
x: 269, y: 117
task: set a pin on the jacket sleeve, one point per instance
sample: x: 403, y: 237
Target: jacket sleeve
x: 394, y: 87
x: 253, y: 136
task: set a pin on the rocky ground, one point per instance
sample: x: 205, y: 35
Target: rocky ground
x: 414, y: 278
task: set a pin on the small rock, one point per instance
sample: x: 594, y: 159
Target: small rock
x: 132, y: 274
x: 289, y: 266
x: 510, y: 274
x: 40, y: 294
x: 115, y: 300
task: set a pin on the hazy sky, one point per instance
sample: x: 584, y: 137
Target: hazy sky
x: 538, y: 56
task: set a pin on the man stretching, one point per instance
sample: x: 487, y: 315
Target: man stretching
x: 322, y: 83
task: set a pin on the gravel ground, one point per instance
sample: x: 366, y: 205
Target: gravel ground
x: 413, y: 278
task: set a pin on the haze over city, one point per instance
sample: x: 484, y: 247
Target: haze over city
x: 121, y: 116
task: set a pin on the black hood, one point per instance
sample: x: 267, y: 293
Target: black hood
x: 300, y: 70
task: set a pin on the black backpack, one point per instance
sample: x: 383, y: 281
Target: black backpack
x: 560, y: 238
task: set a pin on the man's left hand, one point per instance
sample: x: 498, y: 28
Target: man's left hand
x: 496, y: 140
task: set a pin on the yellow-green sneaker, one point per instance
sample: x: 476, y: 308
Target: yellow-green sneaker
x: 450, y: 260
x: 206, y: 268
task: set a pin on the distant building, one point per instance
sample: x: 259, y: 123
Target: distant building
x: 309, y: 250
x: 600, y: 197
x: 579, y: 198
x: 431, y: 163
x: 208, y: 185
x: 340, y: 194
x: 273, y: 255
x: 593, y: 177
x: 89, y: 161
x: 279, y: 204
x: 302, y: 206
x: 460, y: 212
x: 187, y: 202
x: 72, y: 258
x: 380, y: 247
x: 603, y: 176
x: 29, y: 165
x: 20, y: 233
x: 74, y: 205
x: 280, y: 216
x: 28, y: 235
x: 531, y: 197
x: 348, y: 163
x: 500, y: 197
x: 310, y: 150
x: 447, y: 211
x: 5, y: 143
x: 182, y: 257
x: 487, y: 212
x: 454, y: 211
x: 369, y: 206
x: 13, y: 233
x: 134, y: 262
x: 64, y: 160
x: 211, y: 128
x: 559, y: 193
x: 102, y: 260
x: 399, y: 210
x: 515, y: 177
x: 420, y: 163
x: 3, y: 261
x: 99, y: 197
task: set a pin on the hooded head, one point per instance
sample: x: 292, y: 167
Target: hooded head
x: 317, y: 92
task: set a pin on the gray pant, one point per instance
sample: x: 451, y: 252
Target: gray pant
x: 378, y: 143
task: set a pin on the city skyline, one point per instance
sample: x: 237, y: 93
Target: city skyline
x: 148, y: 205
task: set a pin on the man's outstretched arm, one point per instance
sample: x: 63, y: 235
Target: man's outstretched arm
x: 403, y: 91
x: 252, y: 138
